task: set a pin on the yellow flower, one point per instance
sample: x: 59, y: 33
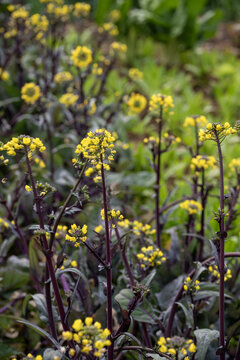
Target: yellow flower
x: 203, y: 162
x: 108, y: 27
x: 88, y: 321
x: 63, y: 76
x: 118, y: 48
x: 30, y: 93
x: 94, y: 148
x: 235, y: 165
x: 68, y: 99
x: 81, y: 9
x: 135, y: 74
x: 82, y: 56
x: 77, y: 234
x: 192, y: 348
x: 4, y: 75
x: 195, y: 120
x: 28, y: 188
x: 98, y: 228
x: 137, y: 103
x: 74, y: 263
x: 191, y: 206
x: 216, y: 132
x: 150, y: 256
x: 159, y: 101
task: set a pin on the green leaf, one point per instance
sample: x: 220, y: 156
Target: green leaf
x: 50, y: 354
x: 204, y: 339
x: 40, y: 331
x: 167, y: 295
x: 74, y: 271
x: 187, y: 313
x: 40, y: 302
x: 148, y: 279
x: 6, y: 246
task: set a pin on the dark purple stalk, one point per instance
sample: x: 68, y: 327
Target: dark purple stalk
x: 47, y: 253
x: 221, y: 260
x: 158, y: 178
x: 124, y: 257
x: 108, y: 262
x: 12, y: 303
x: 95, y: 254
x: 63, y: 208
x: 202, y: 231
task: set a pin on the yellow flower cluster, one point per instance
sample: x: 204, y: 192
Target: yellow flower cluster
x: 37, y: 23
x: 17, y: 20
x: 81, y: 56
x: 98, y: 229
x: 77, y: 234
x: 96, y: 70
x: 4, y: 75
x: 40, y: 162
x: 63, y: 76
x: 135, y: 74
x: 137, y: 226
x: 118, y: 48
x: 191, y: 206
x: 137, y: 103
x: 60, y: 233
x: 109, y: 28
x: 30, y: 93
x: 31, y: 357
x: 203, y: 162
x: 89, y: 336
x: 159, y: 101
x: 235, y: 165
x: 115, y: 15
x: 195, y: 121
x: 19, y: 12
x: 22, y: 143
x: 94, y: 148
x: 150, y: 256
x: 81, y: 9
x: 177, y: 347
x: 213, y: 269
x: 216, y: 130
x: 190, y: 285
x: 59, y: 11
x: 4, y: 161
x: 68, y: 99
x: 168, y: 138
x: 3, y: 223
x: 112, y: 214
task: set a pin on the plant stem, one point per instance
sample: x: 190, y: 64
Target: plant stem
x: 63, y: 208
x: 124, y: 257
x: 108, y: 262
x: 95, y: 254
x: 221, y: 260
x: 202, y: 231
x: 158, y: 178
x: 48, y: 254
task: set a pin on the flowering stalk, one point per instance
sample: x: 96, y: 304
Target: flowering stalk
x: 59, y: 217
x: 124, y: 257
x: 221, y: 257
x: 108, y: 261
x: 158, y: 178
x: 202, y: 230
x: 48, y: 254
